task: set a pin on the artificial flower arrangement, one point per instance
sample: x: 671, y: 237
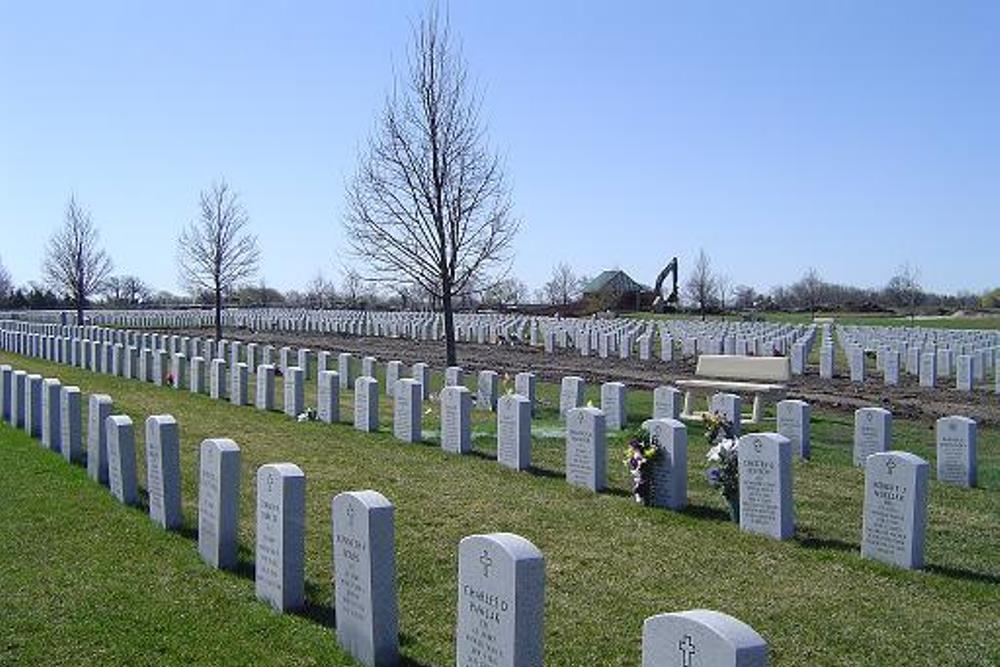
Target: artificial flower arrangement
x: 724, y: 471
x: 640, y: 452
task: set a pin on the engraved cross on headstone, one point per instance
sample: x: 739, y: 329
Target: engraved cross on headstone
x: 486, y: 562
x: 687, y: 650
x: 350, y: 515
x: 890, y: 465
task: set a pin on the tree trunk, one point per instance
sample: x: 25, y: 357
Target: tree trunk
x: 79, y: 311
x: 218, y: 314
x: 449, y: 328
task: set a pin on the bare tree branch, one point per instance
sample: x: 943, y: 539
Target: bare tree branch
x: 429, y: 204
x: 75, y: 265
x: 215, y: 253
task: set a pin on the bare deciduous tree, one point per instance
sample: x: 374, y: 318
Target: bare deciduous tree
x: 429, y: 204
x: 320, y: 292
x: 215, y: 253
x: 808, y: 290
x: 563, y: 287
x: 904, y: 289
x: 701, y: 287
x: 74, y: 264
x: 125, y: 291
x: 6, y: 284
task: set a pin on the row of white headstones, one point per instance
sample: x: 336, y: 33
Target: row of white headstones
x: 767, y: 498
x: 931, y: 354
x: 501, y: 576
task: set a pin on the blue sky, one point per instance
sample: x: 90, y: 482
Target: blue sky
x: 847, y: 136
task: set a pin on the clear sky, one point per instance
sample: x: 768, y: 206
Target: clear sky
x: 847, y: 136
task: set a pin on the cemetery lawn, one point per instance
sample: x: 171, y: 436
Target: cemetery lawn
x: 84, y: 580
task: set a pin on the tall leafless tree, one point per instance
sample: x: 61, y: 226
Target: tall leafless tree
x: 75, y: 265
x: 904, y: 289
x: 6, y: 284
x: 701, y: 287
x: 215, y: 253
x: 429, y: 203
x: 125, y: 291
x: 563, y: 286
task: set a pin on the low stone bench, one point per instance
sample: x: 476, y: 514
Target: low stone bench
x: 731, y: 373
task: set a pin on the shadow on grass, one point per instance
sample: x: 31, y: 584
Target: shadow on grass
x: 813, y: 542
x: 960, y: 573
x: 707, y: 513
x: 317, y: 607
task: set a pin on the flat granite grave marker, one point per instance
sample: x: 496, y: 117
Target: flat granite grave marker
x: 765, y: 463
x: 280, y: 543
x: 456, y: 419
x: 956, y: 450
x: 364, y: 565
x: 701, y: 638
x: 668, y: 486
x: 895, y: 509
x: 407, y: 424
x: 97, y: 437
x: 872, y: 433
x: 586, y: 444
x: 501, y: 598
x: 121, y: 459
x: 514, y: 431
x: 219, y: 502
x: 163, y: 471
x: 794, y: 422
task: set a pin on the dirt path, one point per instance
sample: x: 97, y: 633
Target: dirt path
x: 907, y: 400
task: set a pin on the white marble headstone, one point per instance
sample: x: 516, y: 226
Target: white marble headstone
x: 895, y: 509
x: 501, y: 600
x: 765, y: 464
x: 280, y: 544
x: 701, y: 638
x: 364, y: 565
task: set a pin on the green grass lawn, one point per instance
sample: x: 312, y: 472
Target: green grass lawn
x: 85, y: 580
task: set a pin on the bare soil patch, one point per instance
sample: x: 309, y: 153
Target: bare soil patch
x: 908, y: 400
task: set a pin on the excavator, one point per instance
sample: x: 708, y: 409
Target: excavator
x: 663, y: 303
